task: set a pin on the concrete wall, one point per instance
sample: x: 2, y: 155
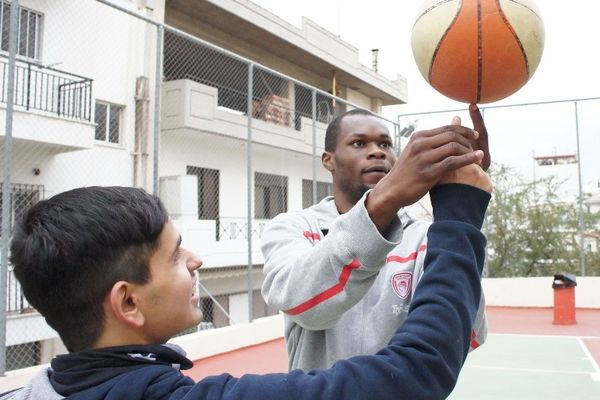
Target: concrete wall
x: 216, y: 341
x: 538, y: 292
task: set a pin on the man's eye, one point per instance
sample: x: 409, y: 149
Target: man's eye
x: 386, y: 145
x: 357, y: 143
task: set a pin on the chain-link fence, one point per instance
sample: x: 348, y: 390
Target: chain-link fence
x: 545, y: 213
x: 101, y: 92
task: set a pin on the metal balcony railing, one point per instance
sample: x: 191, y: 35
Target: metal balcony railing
x: 47, y: 89
x: 236, y: 228
x: 22, y: 196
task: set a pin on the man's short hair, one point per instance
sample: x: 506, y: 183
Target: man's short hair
x: 333, y: 130
x: 69, y: 250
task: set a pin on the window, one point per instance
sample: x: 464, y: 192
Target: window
x: 324, y: 189
x: 22, y: 197
x: 29, y: 31
x: 270, y: 195
x: 208, y: 191
x: 108, y: 122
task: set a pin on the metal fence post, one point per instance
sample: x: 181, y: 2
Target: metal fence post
x: 581, y: 223
x: 157, y: 90
x: 314, y: 146
x: 6, y: 194
x: 249, y: 189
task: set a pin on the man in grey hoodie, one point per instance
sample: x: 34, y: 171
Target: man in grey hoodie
x: 344, y: 270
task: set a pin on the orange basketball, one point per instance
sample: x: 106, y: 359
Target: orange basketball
x: 478, y: 51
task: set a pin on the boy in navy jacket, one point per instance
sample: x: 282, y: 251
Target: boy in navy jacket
x: 105, y: 267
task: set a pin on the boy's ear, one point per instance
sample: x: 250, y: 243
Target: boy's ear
x: 124, y: 304
x: 327, y: 160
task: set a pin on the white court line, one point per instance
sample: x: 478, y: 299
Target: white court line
x: 596, y: 374
x: 533, y: 370
x: 544, y: 336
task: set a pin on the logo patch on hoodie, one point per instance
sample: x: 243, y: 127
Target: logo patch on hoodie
x: 402, y: 284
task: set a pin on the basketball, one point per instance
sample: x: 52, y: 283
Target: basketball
x: 478, y: 51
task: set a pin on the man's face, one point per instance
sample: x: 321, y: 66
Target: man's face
x: 362, y: 157
x: 170, y: 301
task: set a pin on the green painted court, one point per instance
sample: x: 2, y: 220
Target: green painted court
x: 530, y: 367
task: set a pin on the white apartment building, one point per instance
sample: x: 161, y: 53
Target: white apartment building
x: 85, y: 115
x: 564, y: 168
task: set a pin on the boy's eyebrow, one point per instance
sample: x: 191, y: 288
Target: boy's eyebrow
x: 176, y: 248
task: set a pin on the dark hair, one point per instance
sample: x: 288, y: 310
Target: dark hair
x: 333, y: 130
x: 69, y: 250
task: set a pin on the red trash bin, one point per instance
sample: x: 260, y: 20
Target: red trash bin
x: 564, y: 299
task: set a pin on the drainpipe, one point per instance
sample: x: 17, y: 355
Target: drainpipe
x: 140, y: 153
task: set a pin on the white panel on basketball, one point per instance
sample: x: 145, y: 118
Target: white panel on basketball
x: 528, y: 26
x: 429, y: 29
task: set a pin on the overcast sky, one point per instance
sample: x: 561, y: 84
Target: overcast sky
x: 570, y: 69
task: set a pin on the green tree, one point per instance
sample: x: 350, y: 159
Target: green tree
x: 531, y: 232
x: 592, y: 263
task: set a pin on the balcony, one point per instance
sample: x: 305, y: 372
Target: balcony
x: 51, y: 107
x: 192, y: 108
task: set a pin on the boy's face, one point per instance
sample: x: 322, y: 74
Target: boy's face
x: 169, y: 301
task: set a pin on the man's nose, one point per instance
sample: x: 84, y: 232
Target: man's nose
x: 375, y: 151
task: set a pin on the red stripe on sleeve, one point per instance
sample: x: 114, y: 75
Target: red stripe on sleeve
x: 313, y: 236
x: 474, y: 342
x: 410, y: 257
x: 328, y: 293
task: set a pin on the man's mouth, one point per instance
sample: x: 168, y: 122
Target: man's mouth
x: 377, y: 169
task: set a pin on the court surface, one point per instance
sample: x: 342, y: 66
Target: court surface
x: 525, y: 357
x: 529, y: 367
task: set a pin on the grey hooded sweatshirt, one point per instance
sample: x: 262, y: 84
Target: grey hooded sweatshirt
x: 343, y: 287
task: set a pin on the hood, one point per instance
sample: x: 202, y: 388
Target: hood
x: 76, y: 372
